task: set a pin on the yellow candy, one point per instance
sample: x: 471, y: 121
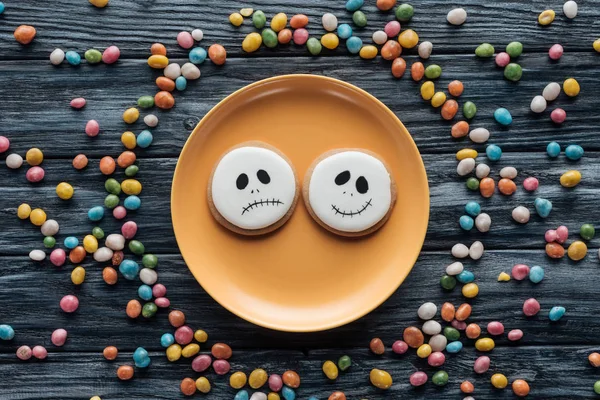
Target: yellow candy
x: 99, y: 3
x: 279, y: 22
x: 570, y: 178
x: 499, y: 381
x: 485, y: 344
x: 131, y: 186
x: 330, y: 370
x: 252, y: 42
x: 577, y: 250
x: 427, y: 90
x: 95, y: 398
x: 571, y: 87
x: 128, y: 140
x: 596, y: 45
x: 470, y: 290
x: 157, y: 61
x: 200, y: 336
x: 236, y: 19
x: 64, y: 190
x: 424, y: 351
x: 257, y: 378
x: 380, y: 379
x: 237, y: 380
x: 368, y: 52
x: 37, y: 217
x: 190, y: 350
x: 503, y: 277
x: 90, y: 243
x: 466, y: 153
x: 173, y: 352
x: 23, y: 211
x: 330, y: 41
x: 546, y: 17
x: 246, y: 12
x: 78, y: 275
x: 273, y: 396
x: 34, y: 156
x: 203, y: 385
x: 408, y: 39
x: 131, y: 115
x: 438, y: 99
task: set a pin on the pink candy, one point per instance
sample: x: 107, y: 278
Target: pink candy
x: 436, y: 359
x: 550, y: 235
x: 69, y: 303
x: 129, y: 229
x: 24, y: 353
x: 300, y: 36
x: 92, y: 128
x: 392, y: 28
x: 78, y: 103
x: 460, y: 325
x: 201, y: 363
x: 162, y: 302
x: 111, y: 55
x: 481, y: 365
x: 159, y: 290
x: 4, y: 144
x: 35, y: 174
x: 119, y: 212
x: 562, y: 234
x: 40, y: 352
x: 275, y: 383
x: 59, y: 337
x: 418, y: 378
x: 520, y: 272
x: 495, y: 328
x: 556, y: 52
x: 530, y: 184
x: 531, y: 307
x: 184, y: 335
x: 58, y: 257
x: 502, y: 59
x: 185, y: 40
x: 558, y: 116
x: 221, y: 367
x: 399, y: 347
x: 515, y: 334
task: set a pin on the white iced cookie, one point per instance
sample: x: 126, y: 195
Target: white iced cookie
x: 349, y: 192
x: 253, y: 189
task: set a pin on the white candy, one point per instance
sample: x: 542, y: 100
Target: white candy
x: 455, y: 268
x: 380, y: 37
x: 425, y: 49
x: 427, y: 310
x: 482, y: 171
x: 57, y: 57
x: 538, y: 104
x: 476, y: 250
x: 115, y: 241
x: 508, y: 172
x: 151, y: 120
x: 521, y: 214
x: 438, y: 342
x: 14, y: 161
x: 465, y: 166
x: 172, y: 71
x: 570, y: 9
x: 330, y: 22
x: 37, y: 255
x: 148, y: 276
x: 190, y: 71
x: 50, y: 228
x: 197, y: 34
x: 469, y: 398
x: 483, y: 222
x: 459, y: 250
x: 479, y: 135
x: 551, y: 91
x: 103, y: 254
x: 258, y: 396
x: 431, y: 328
x: 457, y: 16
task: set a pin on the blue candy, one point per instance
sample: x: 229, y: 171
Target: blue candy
x: 466, y: 222
x: 454, y: 347
x: 1, y: 7
x: 553, y: 149
x: 465, y: 277
x: 536, y: 274
x: 132, y: 202
x: 197, y: 55
x: 167, y: 339
x: 543, y: 207
x: 354, y: 5
x: 129, y: 269
x: 73, y: 57
x: 145, y: 292
x: 313, y: 398
x: 241, y: 395
x: 141, y: 358
x: 344, y: 31
x: 574, y: 152
x: 556, y: 313
x: 71, y: 242
x: 288, y: 393
x: 473, y: 208
x: 144, y: 139
x: 354, y: 44
x: 502, y: 116
x: 181, y: 83
x: 6, y: 332
x: 493, y: 152
x: 96, y: 213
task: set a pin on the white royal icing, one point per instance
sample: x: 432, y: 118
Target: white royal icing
x: 350, y: 191
x: 253, y: 187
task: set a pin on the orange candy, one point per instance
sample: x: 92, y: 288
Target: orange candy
x: 520, y: 387
x: 164, y: 100
x: 165, y: 83
x: 126, y: 159
x: 594, y: 359
x: 134, y: 309
x: 385, y: 5
x: 455, y: 88
x: 473, y: 331
x: 110, y: 276
x: 486, y: 187
x: 337, y: 396
x: 80, y: 161
x: 176, y: 318
x: 299, y: 21
x: 460, y: 129
x: 448, y: 312
x: 107, y: 165
x: 110, y: 353
x: 507, y: 186
x: 391, y: 50
x: 467, y: 387
x: 188, y: 386
x: 417, y: 71
x: 291, y: 379
x: 158, y: 49
x: 125, y: 372
x: 284, y: 36
x: 217, y: 54
x: 413, y: 337
x: 398, y: 67
x: 449, y: 109
x: 555, y: 250
x: 25, y: 34
x: 463, y: 312
x: 77, y: 255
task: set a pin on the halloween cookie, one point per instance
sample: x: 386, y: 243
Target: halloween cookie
x: 349, y: 192
x: 253, y: 189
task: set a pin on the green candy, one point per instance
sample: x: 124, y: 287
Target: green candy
x: 145, y: 102
x: 93, y: 56
x: 448, y: 282
x: 404, y: 12
x: 112, y: 186
x: 259, y: 19
x: 149, y: 310
x: 132, y: 170
x: 433, y: 71
x: 149, y: 261
x: 97, y: 232
x: 269, y: 38
x: 111, y: 201
x: 514, y: 49
x: 49, y: 242
x: 597, y: 387
x: 513, y: 72
x: 136, y: 247
x: 587, y: 231
x: 484, y: 50
x: 440, y: 378
x: 344, y: 363
x: 360, y: 19
x: 469, y: 109
x: 472, y: 183
x: 452, y: 334
x: 314, y: 46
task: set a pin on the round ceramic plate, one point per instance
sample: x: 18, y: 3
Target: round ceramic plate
x: 301, y: 277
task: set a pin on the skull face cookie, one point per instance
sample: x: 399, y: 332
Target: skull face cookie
x: 253, y: 189
x: 349, y: 192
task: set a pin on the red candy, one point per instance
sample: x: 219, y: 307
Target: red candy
x: 399, y: 347
x: 530, y: 184
x: 92, y: 128
x: 550, y: 235
x: 58, y: 257
x: 562, y: 234
x: 300, y: 36
x: 35, y: 174
x: 531, y: 307
x: 201, y: 363
x: 111, y: 55
x: 502, y: 59
x: 119, y: 212
x: 69, y: 304
x: 4, y: 144
x: 418, y: 378
x: 78, y: 103
x: 520, y: 272
x: 481, y: 365
x: 129, y: 229
x: 162, y: 302
x: 558, y: 116
x: 221, y: 367
x: 184, y: 335
x: 495, y: 328
x: 40, y: 352
x: 460, y: 325
x: 556, y: 52
x: 392, y: 28
x: 159, y: 290
x: 59, y: 337
x: 515, y: 334
x: 436, y: 359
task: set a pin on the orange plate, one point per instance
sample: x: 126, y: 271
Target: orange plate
x: 300, y: 278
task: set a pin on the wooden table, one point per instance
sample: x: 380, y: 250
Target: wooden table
x: 35, y: 112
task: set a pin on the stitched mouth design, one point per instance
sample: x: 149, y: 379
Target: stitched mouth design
x: 351, y: 213
x: 262, y: 203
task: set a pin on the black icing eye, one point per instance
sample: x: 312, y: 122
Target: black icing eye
x: 342, y: 178
x: 242, y: 181
x: 263, y: 176
x: 362, y: 185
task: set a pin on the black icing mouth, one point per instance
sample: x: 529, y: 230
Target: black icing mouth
x: 351, y: 214
x: 262, y: 203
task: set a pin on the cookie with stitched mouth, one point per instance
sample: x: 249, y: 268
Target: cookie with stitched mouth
x: 253, y: 189
x: 350, y: 192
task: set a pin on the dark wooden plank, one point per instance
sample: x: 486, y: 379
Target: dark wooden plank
x: 134, y: 27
